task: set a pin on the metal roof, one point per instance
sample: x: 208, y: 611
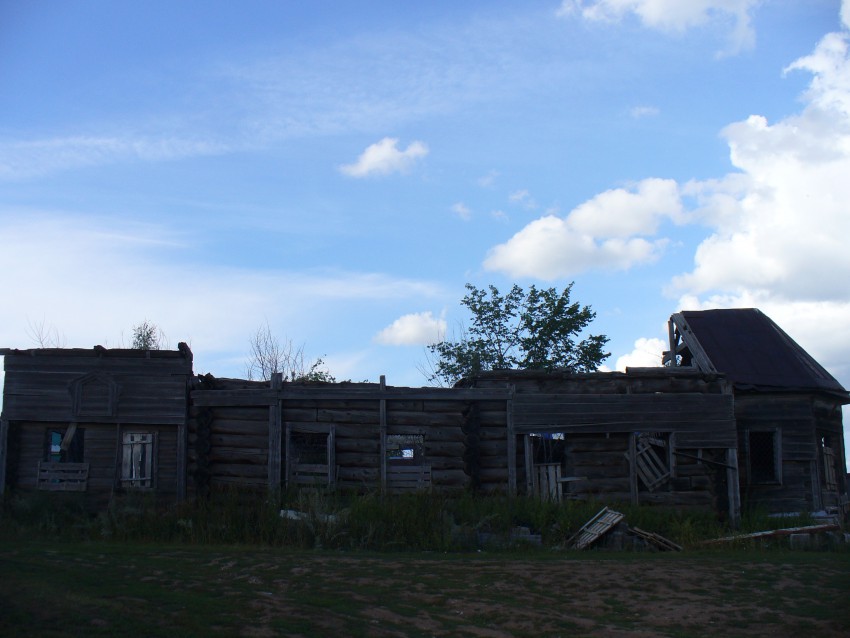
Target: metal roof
x: 752, y: 350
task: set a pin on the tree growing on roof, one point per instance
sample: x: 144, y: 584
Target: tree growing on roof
x: 269, y: 355
x: 537, y: 329
x: 148, y: 336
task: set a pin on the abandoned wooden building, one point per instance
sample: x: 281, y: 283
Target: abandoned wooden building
x: 788, y: 408
x: 692, y: 435
x: 98, y: 421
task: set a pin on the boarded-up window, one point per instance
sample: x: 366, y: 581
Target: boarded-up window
x: 138, y: 458
x: 312, y: 458
x: 764, y: 457
x: 830, y: 475
x: 405, y: 448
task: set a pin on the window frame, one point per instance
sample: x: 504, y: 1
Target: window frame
x: 137, y: 452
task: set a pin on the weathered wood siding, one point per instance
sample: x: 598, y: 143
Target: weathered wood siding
x: 102, y: 451
x: 104, y: 393
x: 150, y: 387
x: 800, y: 419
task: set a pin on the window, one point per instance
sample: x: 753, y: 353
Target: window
x: 405, y: 448
x: 137, y: 459
x: 311, y: 458
x: 765, y: 461
x: 828, y: 453
x: 406, y: 468
x: 65, y: 445
x: 62, y: 467
x: 653, y: 458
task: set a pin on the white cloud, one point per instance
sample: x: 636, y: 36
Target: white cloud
x: 639, y: 112
x: 609, y: 231
x: 421, y: 328
x: 674, y: 16
x: 94, y: 278
x: 462, y: 210
x: 384, y: 157
x: 779, y: 226
x: 647, y: 353
x: 523, y: 198
x: 488, y: 180
x: 25, y: 159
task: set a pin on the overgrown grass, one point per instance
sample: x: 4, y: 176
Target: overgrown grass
x: 337, y: 520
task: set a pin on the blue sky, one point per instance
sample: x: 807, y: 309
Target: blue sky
x: 339, y: 170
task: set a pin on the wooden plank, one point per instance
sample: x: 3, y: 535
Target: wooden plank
x: 275, y: 436
x: 4, y: 435
x: 382, y: 417
x: 62, y: 477
x: 511, y: 447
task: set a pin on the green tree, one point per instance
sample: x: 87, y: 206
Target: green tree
x: 148, y: 336
x: 538, y: 329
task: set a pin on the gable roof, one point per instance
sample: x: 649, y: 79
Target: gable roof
x: 751, y: 350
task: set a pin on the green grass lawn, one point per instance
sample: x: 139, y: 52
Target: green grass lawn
x: 109, y: 589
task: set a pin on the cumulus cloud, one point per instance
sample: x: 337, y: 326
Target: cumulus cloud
x: 674, y: 16
x: 421, y: 328
x: 779, y: 225
x: 646, y: 354
x: 612, y: 230
x: 384, y: 157
x: 782, y: 225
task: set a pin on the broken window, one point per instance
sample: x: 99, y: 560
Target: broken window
x: 65, y: 445
x: 405, y: 448
x: 653, y: 458
x: 311, y: 458
x: 406, y: 467
x: 764, y: 457
x: 62, y: 467
x: 138, y: 459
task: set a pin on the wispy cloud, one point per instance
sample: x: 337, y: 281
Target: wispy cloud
x: 94, y: 278
x: 25, y: 159
x: 673, y: 16
x: 384, y: 157
x: 639, y: 112
x: 462, y: 210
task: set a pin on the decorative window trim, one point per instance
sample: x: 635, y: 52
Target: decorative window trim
x: 84, y: 405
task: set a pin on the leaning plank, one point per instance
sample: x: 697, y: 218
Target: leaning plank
x: 656, y: 539
x: 773, y: 533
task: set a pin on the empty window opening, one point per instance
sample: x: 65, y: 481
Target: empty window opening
x: 764, y: 459
x: 309, y: 448
x: 64, y: 445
